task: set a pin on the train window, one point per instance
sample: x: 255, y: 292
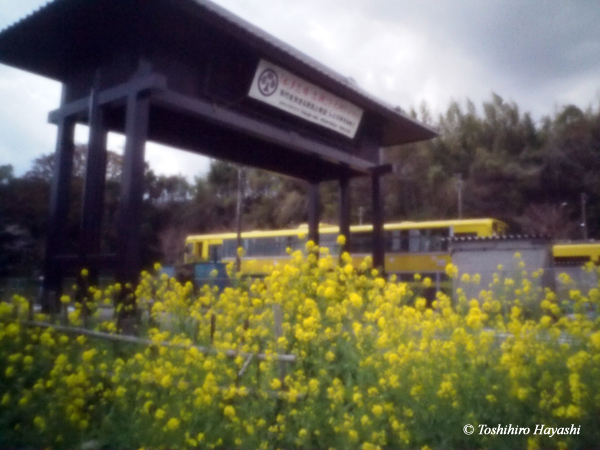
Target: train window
x: 295, y: 243
x: 361, y: 242
x: 571, y: 260
x: 414, y: 241
x: 278, y: 246
x: 215, y: 252
x: 393, y: 241
x: 229, y: 248
x: 266, y: 246
x: 329, y: 241
x: 255, y: 247
x: 426, y: 240
x: 438, y: 241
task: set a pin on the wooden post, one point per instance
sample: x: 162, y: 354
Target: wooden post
x: 314, y: 211
x: 58, y: 212
x: 132, y: 189
x: 345, y: 211
x: 93, y: 193
x: 378, y: 238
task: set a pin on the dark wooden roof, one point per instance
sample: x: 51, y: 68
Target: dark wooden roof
x: 59, y: 37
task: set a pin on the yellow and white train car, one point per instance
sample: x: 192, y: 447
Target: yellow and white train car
x: 410, y: 247
x: 576, y: 253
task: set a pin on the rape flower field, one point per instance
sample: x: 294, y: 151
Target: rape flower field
x: 367, y: 363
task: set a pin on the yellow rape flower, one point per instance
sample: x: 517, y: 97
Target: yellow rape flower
x: 229, y: 411
x: 172, y: 424
x: 39, y: 422
x: 377, y: 410
x: 451, y: 270
x: 88, y: 354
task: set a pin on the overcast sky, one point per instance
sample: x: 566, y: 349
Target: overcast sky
x: 542, y: 54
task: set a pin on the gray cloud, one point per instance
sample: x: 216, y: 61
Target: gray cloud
x: 528, y: 42
x: 24, y: 129
x: 539, y: 53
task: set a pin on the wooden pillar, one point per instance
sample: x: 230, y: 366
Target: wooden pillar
x: 93, y: 193
x: 378, y: 237
x: 58, y: 213
x: 132, y: 189
x: 314, y: 211
x: 345, y: 210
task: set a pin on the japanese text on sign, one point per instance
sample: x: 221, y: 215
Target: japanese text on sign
x: 283, y: 90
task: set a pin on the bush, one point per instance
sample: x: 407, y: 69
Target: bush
x: 374, y: 366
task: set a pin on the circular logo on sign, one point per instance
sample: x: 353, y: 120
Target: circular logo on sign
x: 267, y: 82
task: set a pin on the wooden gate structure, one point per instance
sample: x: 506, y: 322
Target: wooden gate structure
x: 189, y: 74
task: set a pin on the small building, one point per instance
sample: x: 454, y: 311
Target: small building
x: 504, y: 256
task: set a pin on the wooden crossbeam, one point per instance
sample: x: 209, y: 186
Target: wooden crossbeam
x: 120, y: 92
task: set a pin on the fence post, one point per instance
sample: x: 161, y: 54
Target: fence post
x: 245, y: 328
x: 213, y: 325
x: 278, y: 330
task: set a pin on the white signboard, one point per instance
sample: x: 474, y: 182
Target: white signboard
x: 283, y: 90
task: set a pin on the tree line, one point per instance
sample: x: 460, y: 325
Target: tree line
x: 540, y: 177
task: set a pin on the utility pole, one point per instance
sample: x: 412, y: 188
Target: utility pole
x: 361, y: 212
x: 238, y: 215
x: 459, y: 188
x: 584, y: 230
